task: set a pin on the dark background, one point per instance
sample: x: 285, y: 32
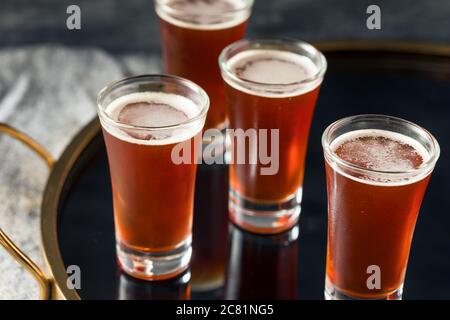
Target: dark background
x: 131, y: 25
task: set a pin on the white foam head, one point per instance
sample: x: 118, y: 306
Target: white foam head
x: 272, y: 67
x: 152, y: 110
x: 204, y: 14
x: 381, y: 156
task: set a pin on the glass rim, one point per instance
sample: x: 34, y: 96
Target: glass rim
x: 259, y: 43
x: 424, y: 167
x: 147, y: 78
x: 247, y: 4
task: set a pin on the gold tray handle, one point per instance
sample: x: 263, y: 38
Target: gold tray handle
x: 5, y: 241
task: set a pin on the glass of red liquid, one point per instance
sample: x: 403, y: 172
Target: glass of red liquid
x: 144, y: 119
x: 272, y: 87
x: 193, y: 33
x: 377, y: 170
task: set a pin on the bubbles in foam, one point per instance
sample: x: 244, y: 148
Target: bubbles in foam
x: 151, y: 114
x: 273, y: 67
x: 152, y: 110
x: 203, y: 14
x: 206, y: 7
x: 380, y: 150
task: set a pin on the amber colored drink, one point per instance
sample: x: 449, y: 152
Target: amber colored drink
x: 271, y: 85
x: 373, y: 210
x: 193, y: 33
x: 293, y: 117
x: 153, y: 197
x: 144, y: 119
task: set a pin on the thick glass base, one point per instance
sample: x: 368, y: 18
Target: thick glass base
x: 154, y: 265
x: 264, y: 218
x: 332, y: 293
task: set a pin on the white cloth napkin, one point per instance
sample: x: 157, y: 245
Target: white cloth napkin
x: 49, y: 93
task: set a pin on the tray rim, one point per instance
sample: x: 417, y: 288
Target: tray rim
x: 49, y: 210
x: 54, y: 187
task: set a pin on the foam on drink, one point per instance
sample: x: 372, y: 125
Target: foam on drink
x: 381, y: 150
x: 273, y: 67
x: 203, y: 14
x: 153, y: 110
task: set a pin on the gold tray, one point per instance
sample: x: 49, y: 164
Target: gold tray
x: 430, y: 60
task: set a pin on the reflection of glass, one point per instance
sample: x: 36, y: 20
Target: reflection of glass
x: 271, y: 84
x: 177, y: 288
x: 262, y: 267
x: 143, y: 119
x: 210, y: 230
x: 378, y: 168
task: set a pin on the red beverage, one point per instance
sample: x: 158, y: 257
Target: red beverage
x: 272, y: 85
x: 291, y: 114
x: 375, y: 191
x: 153, y: 194
x: 194, y: 32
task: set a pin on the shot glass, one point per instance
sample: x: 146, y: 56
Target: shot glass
x: 377, y: 170
x: 145, y: 121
